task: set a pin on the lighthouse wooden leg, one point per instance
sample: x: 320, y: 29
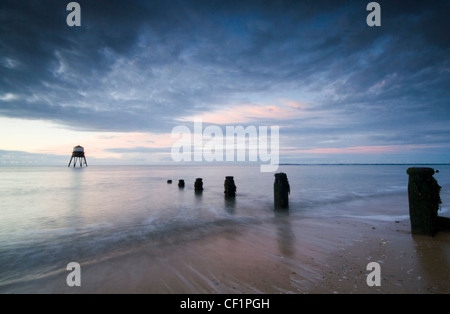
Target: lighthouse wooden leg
x: 85, y: 162
x: 70, y: 161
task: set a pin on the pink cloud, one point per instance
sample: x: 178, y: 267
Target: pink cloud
x: 379, y: 149
x: 281, y: 109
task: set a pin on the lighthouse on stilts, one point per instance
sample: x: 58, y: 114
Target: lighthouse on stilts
x: 78, y: 156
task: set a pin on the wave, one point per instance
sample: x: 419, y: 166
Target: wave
x: 378, y: 217
x: 97, y: 244
x: 338, y: 198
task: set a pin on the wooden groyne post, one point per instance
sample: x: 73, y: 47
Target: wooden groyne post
x: 424, y: 200
x: 281, y: 190
x: 198, y: 185
x: 181, y: 183
x: 230, y: 187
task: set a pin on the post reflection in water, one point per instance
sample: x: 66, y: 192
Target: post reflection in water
x: 285, y: 235
x: 230, y: 205
x: 431, y: 256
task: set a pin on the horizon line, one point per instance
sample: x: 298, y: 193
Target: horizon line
x: 242, y: 164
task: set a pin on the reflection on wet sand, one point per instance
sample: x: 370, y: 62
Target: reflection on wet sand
x: 432, y: 256
x: 285, y: 236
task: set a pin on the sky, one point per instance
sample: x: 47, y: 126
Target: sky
x: 339, y: 90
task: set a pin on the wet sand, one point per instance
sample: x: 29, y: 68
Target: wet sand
x: 306, y: 256
x: 283, y: 254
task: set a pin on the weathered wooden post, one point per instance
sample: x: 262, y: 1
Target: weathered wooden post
x: 281, y: 190
x: 169, y: 181
x: 230, y: 187
x: 198, y: 185
x: 424, y: 199
x: 181, y: 183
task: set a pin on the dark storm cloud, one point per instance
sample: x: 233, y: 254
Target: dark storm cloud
x: 141, y: 65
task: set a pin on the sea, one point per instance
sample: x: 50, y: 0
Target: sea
x: 51, y: 216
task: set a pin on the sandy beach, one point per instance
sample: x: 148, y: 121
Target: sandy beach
x: 279, y: 255
x: 307, y: 256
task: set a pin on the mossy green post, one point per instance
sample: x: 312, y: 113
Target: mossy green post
x: 424, y: 200
x: 281, y: 190
x: 230, y: 187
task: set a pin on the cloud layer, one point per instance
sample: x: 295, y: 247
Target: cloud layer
x: 144, y: 66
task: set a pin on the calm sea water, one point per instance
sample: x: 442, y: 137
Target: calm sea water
x: 50, y: 216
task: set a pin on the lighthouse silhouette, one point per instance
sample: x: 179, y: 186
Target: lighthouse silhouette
x: 78, y: 156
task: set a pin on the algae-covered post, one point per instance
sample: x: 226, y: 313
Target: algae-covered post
x: 424, y: 200
x: 230, y: 187
x: 198, y: 185
x: 281, y: 190
x: 181, y: 183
